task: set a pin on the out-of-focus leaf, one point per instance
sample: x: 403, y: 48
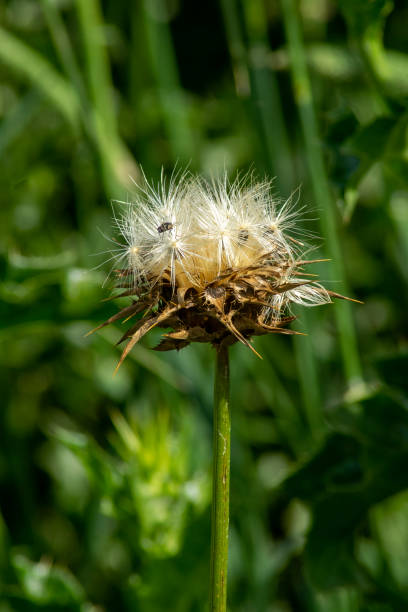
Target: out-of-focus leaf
x: 380, y: 423
x: 371, y: 140
x: 3, y: 542
x: 333, y: 62
x: 350, y: 474
x: 343, y: 599
x: 41, y: 73
x: 329, y: 549
x: 18, y: 119
x: 363, y: 16
x: 45, y: 584
x: 394, y: 370
x: 337, y: 463
x: 383, y: 140
x: 102, y: 471
x: 81, y: 291
x: 149, y: 360
x: 396, y: 78
x: 30, y: 264
x: 149, y: 487
x: 390, y: 523
x: 340, y: 65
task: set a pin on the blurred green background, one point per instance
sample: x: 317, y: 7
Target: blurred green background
x: 105, y: 482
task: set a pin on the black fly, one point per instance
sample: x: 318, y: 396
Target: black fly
x: 165, y: 227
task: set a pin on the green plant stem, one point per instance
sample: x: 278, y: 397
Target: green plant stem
x: 320, y: 184
x: 221, y: 479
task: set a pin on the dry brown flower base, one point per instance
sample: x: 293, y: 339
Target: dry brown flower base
x: 228, y: 309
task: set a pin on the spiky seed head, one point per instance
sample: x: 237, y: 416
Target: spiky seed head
x: 214, y: 261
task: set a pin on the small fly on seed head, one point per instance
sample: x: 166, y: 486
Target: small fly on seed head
x: 232, y: 271
x: 165, y: 227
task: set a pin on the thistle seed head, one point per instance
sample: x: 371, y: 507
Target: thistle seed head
x: 216, y: 262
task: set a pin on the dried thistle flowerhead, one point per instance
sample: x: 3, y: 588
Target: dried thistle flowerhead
x: 215, y: 262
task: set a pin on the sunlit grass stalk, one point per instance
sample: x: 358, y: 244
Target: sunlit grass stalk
x: 320, y: 184
x: 250, y: 64
x: 221, y: 482
x: 171, y: 96
x: 63, y: 46
x: 117, y: 163
x: 265, y: 96
x: 93, y: 105
x: 97, y: 62
x: 236, y: 45
x: 266, y: 104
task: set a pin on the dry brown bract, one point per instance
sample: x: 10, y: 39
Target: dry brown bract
x: 214, y: 262
x: 230, y: 308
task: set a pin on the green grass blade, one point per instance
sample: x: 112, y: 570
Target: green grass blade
x: 265, y: 96
x: 320, y: 185
x: 236, y: 45
x: 172, y: 97
x: 35, y: 68
x: 97, y: 63
x: 265, y: 99
x: 63, y: 47
x: 117, y: 162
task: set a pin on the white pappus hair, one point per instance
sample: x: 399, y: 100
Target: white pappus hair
x: 190, y: 231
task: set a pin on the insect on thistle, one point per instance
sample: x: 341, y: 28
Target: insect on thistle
x: 230, y: 273
x: 165, y: 227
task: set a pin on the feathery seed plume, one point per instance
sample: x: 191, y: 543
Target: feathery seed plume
x: 215, y: 262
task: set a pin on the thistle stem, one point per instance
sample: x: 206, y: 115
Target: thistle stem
x: 221, y: 479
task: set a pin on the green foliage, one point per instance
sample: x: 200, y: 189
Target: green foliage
x: 365, y: 16
x: 151, y: 486
x: 105, y: 481
x: 45, y: 585
x: 354, y: 470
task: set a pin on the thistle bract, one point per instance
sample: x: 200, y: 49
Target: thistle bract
x: 214, y: 262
